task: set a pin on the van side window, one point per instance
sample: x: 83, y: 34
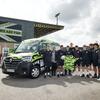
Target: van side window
x: 44, y: 45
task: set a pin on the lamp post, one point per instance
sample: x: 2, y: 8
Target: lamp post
x: 57, y: 15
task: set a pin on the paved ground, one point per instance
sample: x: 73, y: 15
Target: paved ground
x: 74, y: 88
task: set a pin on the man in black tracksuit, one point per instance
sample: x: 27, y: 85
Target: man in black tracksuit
x: 91, y: 58
x: 99, y: 64
x: 85, y: 55
x: 95, y: 59
x: 47, y: 54
x: 60, y: 62
x: 77, y: 54
x: 91, y: 52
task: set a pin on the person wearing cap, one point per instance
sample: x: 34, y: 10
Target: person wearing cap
x: 60, y: 61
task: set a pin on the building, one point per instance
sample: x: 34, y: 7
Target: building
x: 13, y: 31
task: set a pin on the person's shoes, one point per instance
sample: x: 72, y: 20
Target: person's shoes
x: 45, y: 76
x: 90, y: 75
x: 58, y: 75
x: 95, y: 76
x: 87, y: 76
x: 62, y: 74
x: 70, y: 74
x: 65, y: 74
x: 98, y: 78
x: 49, y: 75
x: 82, y: 75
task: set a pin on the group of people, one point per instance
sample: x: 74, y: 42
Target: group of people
x: 87, y: 60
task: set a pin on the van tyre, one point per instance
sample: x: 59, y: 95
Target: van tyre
x: 35, y: 72
x: 11, y: 74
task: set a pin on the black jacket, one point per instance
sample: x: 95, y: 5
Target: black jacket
x: 91, y: 54
x: 59, y: 54
x: 69, y: 52
x: 85, y: 55
x: 77, y: 54
x: 95, y: 55
x: 47, y: 57
x: 99, y: 56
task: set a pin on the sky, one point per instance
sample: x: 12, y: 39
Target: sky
x: 81, y: 18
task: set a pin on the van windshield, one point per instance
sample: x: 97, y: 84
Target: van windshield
x: 27, y: 46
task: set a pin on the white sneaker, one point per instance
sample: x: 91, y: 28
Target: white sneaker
x: 98, y: 79
x: 48, y: 73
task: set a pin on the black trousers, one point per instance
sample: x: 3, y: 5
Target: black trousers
x: 47, y: 69
x: 54, y: 68
x: 48, y: 64
x: 67, y: 72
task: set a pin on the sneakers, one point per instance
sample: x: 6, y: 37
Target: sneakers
x: 98, y: 79
x: 88, y: 76
x: 82, y: 75
x: 70, y: 74
x: 49, y: 75
x: 62, y: 75
x: 58, y: 75
x: 95, y: 76
x: 45, y: 76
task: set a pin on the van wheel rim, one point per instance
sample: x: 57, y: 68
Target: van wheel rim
x: 35, y: 72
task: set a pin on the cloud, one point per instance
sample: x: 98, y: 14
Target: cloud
x: 73, y: 10
x: 34, y: 10
x: 95, y: 27
x: 81, y: 20
x: 80, y: 17
x: 95, y: 20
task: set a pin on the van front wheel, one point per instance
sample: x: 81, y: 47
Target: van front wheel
x: 35, y: 72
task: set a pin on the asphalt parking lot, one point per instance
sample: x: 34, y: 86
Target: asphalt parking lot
x: 64, y: 88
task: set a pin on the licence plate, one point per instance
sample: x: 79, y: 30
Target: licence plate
x: 10, y: 70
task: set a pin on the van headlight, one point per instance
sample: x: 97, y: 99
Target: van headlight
x: 27, y: 58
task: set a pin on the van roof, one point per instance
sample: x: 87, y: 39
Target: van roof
x: 40, y: 40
